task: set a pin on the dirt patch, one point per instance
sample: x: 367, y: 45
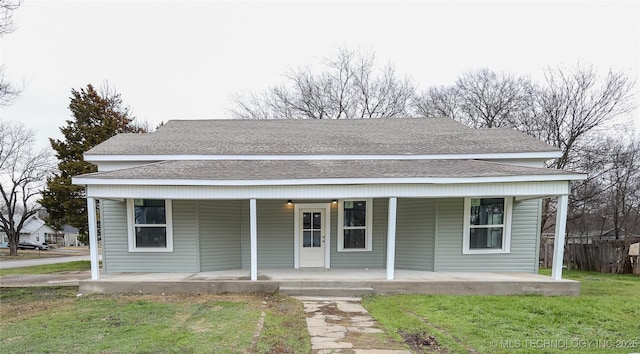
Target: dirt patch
x: 175, y: 298
x: 20, y: 303
x: 332, y: 309
x: 419, y: 342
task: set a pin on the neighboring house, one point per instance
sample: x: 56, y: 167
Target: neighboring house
x: 34, y: 229
x: 70, y: 236
x: 418, y: 193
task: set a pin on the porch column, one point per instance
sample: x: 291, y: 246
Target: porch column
x: 558, y: 244
x: 391, y: 238
x: 93, y: 239
x: 254, y: 239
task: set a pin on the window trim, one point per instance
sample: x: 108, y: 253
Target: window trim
x: 132, y: 233
x: 368, y: 228
x: 506, y: 231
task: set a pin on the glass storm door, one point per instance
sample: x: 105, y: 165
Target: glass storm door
x: 312, y: 238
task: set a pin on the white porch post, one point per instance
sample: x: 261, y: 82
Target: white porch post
x: 391, y: 238
x: 93, y: 239
x: 558, y: 244
x: 254, y: 239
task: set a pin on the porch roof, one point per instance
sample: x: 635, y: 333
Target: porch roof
x: 246, y: 172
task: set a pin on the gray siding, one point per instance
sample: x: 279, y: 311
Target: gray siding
x: 219, y: 230
x: 524, y: 234
x: 184, y: 257
x: 377, y: 257
x: 275, y: 234
x: 415, y: 234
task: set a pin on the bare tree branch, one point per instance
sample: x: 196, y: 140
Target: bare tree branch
x: 6, y: 16
x: 349, y: 86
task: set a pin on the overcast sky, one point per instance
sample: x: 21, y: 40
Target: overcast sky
x: 183, y: 60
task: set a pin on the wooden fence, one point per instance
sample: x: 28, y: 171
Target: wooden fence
x: 605, y: 256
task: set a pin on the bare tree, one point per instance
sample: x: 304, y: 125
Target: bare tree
x: 622, y: 185
x: 570, y: 106
x: 573, y: 102
x: 349, y: 86
x: 479, y: 99
x: 8, y: 91
x: 440, y: 101
x: 23, y: 172
x: 609, y: 199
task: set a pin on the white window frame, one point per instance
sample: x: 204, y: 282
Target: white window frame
x: 132, y: 228
x: 506, y: 225
x: 368, y: 233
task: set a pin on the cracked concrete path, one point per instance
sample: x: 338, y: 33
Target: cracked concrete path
x: 342, y: 325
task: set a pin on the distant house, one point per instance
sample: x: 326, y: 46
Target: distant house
x: 70, y: 236
x: 34, y: 229
x: 424, y: 194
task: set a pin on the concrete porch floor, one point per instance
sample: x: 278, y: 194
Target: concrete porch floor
x: 336, y: 282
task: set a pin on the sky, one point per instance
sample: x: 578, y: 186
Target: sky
x: 185, y: 59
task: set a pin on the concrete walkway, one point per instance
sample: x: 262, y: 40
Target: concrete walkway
x: 342, y: 325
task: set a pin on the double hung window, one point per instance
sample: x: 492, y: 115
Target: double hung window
x: 150, y: 225
x: 487, y: 225
x: 355, y: 219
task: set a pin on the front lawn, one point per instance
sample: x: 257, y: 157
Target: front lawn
x: 605, y: 315
x: 53, y: 320
x: 76, y: 266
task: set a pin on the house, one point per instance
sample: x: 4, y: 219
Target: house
x: 427, y: 194
x: 34, y: 229
x: 68, y: 236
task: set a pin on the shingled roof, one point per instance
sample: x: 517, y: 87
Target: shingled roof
x: 234, y: 170
x: 383, y: 136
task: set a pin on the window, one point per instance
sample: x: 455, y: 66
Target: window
x: 149, y: 225
x: 355, y: 219
x: 487, y: 225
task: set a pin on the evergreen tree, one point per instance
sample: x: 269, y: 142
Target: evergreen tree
x: 96, y: 118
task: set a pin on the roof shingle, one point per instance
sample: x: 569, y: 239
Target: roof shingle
x: 383, y: 136
x: 225, y: 170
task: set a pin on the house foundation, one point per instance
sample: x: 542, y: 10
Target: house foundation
x: 334, y: 282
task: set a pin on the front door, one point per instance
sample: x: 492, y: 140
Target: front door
x: 312, y: 234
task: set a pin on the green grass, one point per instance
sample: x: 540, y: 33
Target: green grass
x: 54, y: 320
x: 606, y: 313
x: 49, y: 268
x: 285, y: 328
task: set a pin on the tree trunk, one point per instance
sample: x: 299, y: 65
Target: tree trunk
x: 14, y: 238
x: 13, y: 249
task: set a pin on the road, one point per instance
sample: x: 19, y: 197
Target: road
x: 6, y: 264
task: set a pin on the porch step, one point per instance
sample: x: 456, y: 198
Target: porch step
x: 324, y: 291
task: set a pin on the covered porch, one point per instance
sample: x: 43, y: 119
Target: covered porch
x: 334, y: 282
x: 266, y: 230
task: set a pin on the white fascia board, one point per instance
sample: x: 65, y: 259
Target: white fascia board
x: 326, y: 181
x: 330, y: 192
x: 489, y: 156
